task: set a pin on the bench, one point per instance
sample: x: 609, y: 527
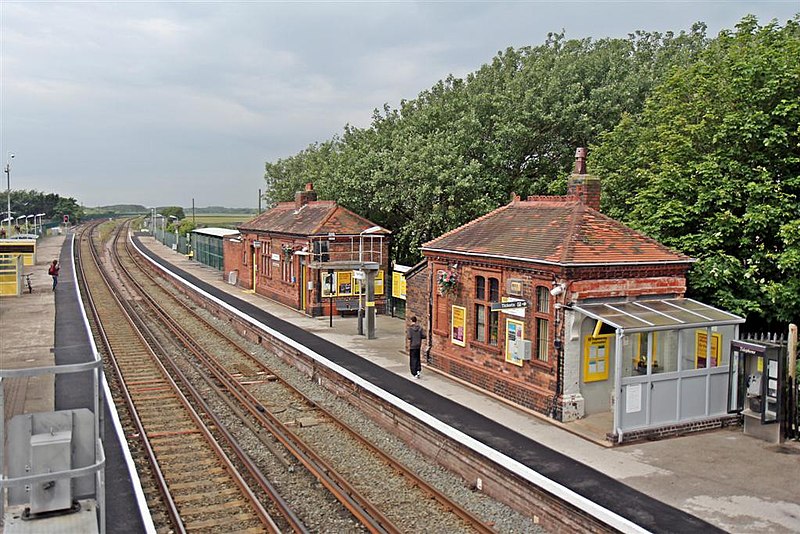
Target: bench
x: 346, y: 306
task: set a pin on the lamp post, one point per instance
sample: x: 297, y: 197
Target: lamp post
x: 8, y: 181
x: 370, y: 230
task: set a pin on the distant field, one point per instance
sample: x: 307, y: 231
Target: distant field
x: 224, y: 220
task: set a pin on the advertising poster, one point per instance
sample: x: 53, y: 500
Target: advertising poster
x: 398, y: 285
x: 700, y: 348
x: 379, y: 282
x: 328, y: 287
x: 459, y: 322
x: 344, y: 283
x: 514, y: 330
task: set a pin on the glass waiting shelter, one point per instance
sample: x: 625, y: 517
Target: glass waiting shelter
x: 669, y: 359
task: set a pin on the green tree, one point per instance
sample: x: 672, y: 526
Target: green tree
x: 462, y: 147
x: 171, y: 211
x: 712, y: 168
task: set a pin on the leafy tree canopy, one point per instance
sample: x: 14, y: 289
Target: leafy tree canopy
x: 171, y: 211
x: 32, y: 202
x: 711, y: 167
x: 462, y: 147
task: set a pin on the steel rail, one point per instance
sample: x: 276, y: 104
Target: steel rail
x: 86, y: 235
x: 253, y: 405
x: 369, y: 515
x: 257, y: 509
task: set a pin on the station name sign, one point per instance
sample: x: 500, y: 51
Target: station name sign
x: 511, y: 304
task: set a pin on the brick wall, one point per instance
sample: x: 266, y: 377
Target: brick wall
x: 417, y: 287
x: 534, y: 384
x: 269, y: 277
x: 231, y: 257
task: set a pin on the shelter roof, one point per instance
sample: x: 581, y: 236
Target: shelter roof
x: 216, y: 232
x: 658, y: 314
x: 554, y: 230
x: 314, y: 218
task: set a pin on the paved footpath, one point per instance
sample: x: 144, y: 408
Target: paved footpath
x: 733, y: 481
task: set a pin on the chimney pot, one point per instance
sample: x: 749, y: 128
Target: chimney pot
x: 580, y: 161
x: 309, y: 186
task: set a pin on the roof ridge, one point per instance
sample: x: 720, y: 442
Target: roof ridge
x: 327, y: 217
x: 470, y: 223
x: 569, y: 246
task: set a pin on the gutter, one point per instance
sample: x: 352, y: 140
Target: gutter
x: 559, y: 264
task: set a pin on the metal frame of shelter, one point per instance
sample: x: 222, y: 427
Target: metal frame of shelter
x: 654, y: 315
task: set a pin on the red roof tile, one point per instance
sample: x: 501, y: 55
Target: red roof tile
x: 558, y: 230
x: 315, y: 218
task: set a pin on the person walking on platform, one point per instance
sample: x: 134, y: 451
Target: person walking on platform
x: 53, y: 271
x: 415, y: 336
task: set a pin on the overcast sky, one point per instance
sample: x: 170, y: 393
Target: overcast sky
x: 159, y: 103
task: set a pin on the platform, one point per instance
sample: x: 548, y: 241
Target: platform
x: 737, y: 483
x: 43, y: 328
x: 721, y: 476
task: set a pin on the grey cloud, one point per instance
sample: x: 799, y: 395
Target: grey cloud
x: 159, y: 103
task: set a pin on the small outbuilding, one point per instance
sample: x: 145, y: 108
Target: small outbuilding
x: 550, y: 304
x: 313, y: 255
x: 207, y: 245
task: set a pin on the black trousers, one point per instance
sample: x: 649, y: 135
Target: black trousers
x: 414, y: 363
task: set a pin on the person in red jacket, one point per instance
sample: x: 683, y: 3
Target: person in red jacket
x: 53, y: 271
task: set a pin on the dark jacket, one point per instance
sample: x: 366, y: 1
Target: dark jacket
x: 415, y: 336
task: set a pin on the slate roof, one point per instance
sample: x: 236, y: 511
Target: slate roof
x: 554, y: 230
x: 315, y: 218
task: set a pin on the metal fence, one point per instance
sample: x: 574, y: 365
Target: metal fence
x: 173, y: 240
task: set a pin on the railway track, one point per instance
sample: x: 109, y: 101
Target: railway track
x: 304, y: 427
x: 313, y: 456
x: 199, y: 485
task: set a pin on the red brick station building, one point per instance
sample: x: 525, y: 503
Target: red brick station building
x: 544, y: 302
x: 308, y: 254
x: 550, y: 304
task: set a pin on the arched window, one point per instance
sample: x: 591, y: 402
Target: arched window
x: 480, y: 288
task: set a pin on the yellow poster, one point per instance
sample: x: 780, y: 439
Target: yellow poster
x: 398, y: 285
x: 596, y: 352
x: 459, y: 328
x: 344, y: 283
x: 379, y: 282
x: 701, y: 347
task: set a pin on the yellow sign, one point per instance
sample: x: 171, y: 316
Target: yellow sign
x: 398, y: 285
x: 459, y: 325
x: 701, y: 349
x: 596, y: 352
x: 344, y: 283
x: 378, y: 284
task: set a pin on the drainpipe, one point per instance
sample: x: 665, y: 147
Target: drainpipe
x: 430, y: 317
x: 558, y: 343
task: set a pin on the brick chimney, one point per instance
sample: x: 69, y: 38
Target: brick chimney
x: 301, y: 198
x: 582, y: 185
